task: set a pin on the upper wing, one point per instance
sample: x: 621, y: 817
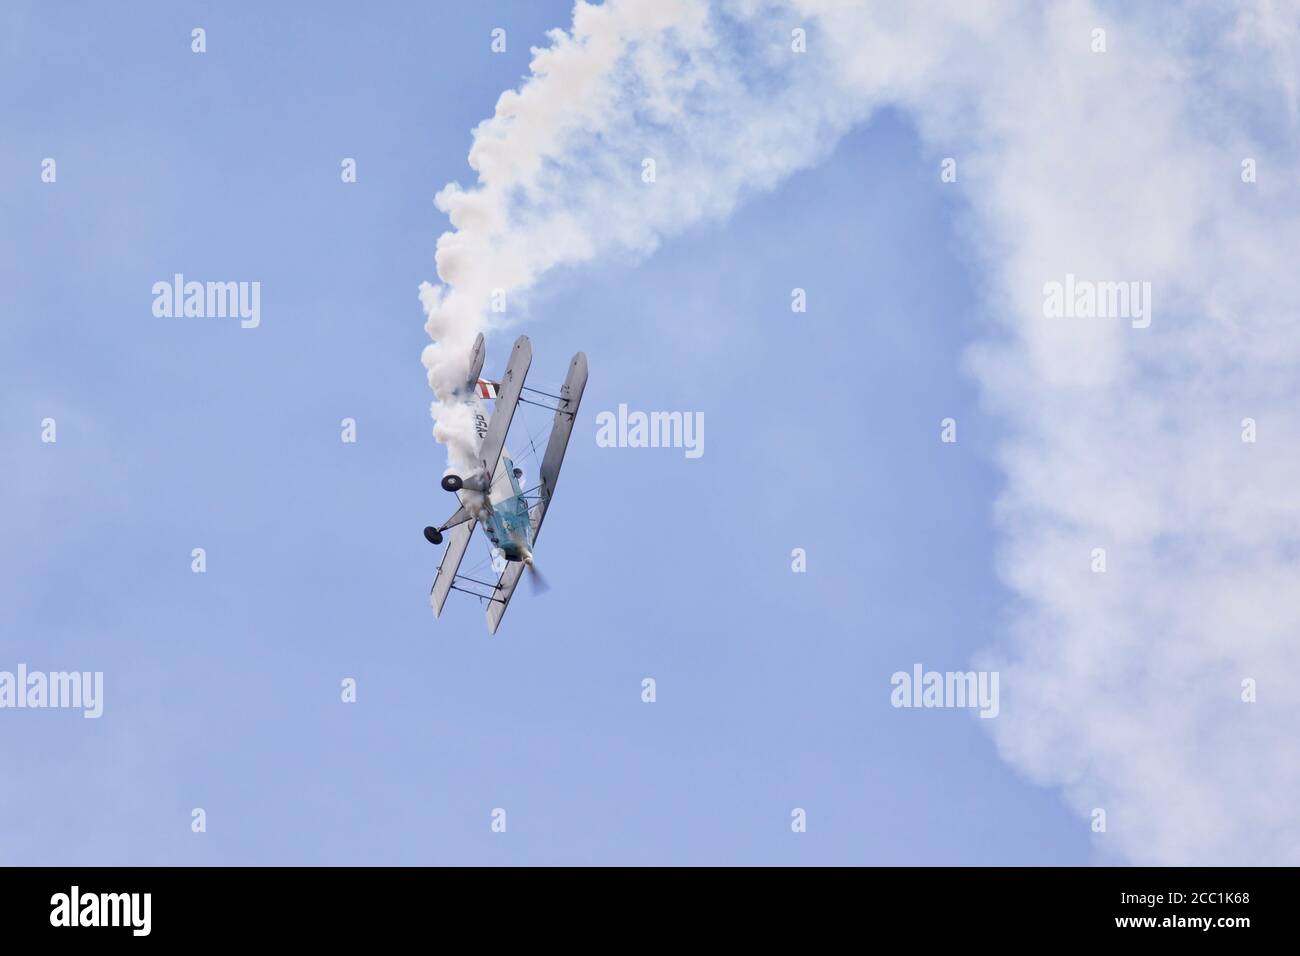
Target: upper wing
x: 457, y: 541
x: 565, y: 415
x: 507, y: 399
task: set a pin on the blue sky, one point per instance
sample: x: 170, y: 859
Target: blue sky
x: 222, y: 689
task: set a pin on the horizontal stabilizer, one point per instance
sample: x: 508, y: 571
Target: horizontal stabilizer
x: 476, y: 355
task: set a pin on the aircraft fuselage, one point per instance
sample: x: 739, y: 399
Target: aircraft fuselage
x: 502, y: 510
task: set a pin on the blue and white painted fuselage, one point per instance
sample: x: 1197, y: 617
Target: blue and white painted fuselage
x: 508, y: 523
x: 502, y: 510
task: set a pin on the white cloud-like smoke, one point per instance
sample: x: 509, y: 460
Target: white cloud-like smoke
x: 1122, y: 688
x: 560, y: 164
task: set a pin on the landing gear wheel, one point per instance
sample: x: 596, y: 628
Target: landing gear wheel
x: 452, y: 483
x: 433, y: 535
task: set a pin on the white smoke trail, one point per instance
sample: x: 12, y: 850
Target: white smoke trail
x: 1125, y: 688
x: 1121, y: 688
x: 525, y: 217
x: 560, y: 164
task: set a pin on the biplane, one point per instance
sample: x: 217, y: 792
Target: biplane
x: 490, y: 494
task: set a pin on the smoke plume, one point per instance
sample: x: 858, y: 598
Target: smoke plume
x: 1108, y: 142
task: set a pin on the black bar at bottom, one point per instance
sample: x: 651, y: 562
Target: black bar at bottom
x: 378, y: 904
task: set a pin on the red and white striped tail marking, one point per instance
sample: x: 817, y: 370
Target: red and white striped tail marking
x: 487, y: 389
